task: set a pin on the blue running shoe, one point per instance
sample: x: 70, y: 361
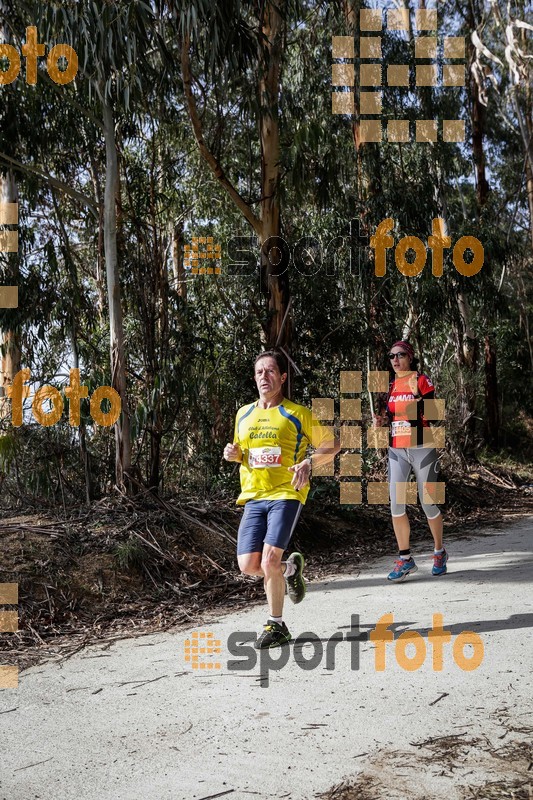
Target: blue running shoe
x: 439, y: 563
x: 402, y: 568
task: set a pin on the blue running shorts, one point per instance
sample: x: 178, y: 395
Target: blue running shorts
x: 267, y: 522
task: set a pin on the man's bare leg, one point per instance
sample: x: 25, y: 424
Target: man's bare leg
x: 267, y: 565
x: 250, y: 564
x: 274, y: 580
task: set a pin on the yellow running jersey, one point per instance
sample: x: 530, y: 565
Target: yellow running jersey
x: 272, y: 440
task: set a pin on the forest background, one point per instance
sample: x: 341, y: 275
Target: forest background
x: 214, y: 119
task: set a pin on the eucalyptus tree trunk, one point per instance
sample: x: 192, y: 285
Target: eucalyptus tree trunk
x: 178, y: 269
x: 492, y: 417
x: 116, y: 327
x: 369, y: 186
x: 100, y: 257
x: 477, y: 114
x: 529, y: 162
x: 84, y: 453
x: 157, y: 344
x: 278, y: 328
x: 274, y: 282
x: 9, y: 339
x: 467, y: 352
x: 477, y: 118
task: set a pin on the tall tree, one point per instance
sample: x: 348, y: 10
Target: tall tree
x: 111, y: 42
x: 9, y: 262
x: 271, y: 30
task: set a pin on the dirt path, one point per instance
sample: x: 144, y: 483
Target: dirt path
x: 134, y: 720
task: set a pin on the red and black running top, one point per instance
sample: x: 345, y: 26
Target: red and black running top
x: 405, y: 412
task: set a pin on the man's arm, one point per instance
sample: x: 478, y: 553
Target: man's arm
x: 322, y: 455
x: 233, y: 452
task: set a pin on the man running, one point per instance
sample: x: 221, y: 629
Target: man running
x: 270, y: 443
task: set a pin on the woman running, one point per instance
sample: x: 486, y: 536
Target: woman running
x: 409, y: 451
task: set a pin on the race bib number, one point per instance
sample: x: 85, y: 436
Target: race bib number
x: 261, y: 457
x: 401, y: 428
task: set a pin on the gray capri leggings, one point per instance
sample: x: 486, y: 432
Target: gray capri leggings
x: 424, y: 461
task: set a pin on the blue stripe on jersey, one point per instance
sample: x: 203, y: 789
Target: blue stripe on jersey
x: 283, y: 411
x: 245, y: 415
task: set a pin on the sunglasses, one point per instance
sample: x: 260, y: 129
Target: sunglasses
x: 392, y: 356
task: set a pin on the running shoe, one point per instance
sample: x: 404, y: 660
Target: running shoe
x: 274, y: 635
x: 402, y: 568
x: 296, y: 582
x: 439, y: 563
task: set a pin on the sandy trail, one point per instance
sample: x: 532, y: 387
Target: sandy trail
x: 134, y: 720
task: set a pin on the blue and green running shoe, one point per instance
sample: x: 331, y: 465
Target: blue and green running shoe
x: 439, y: 563
x: 402, y: 568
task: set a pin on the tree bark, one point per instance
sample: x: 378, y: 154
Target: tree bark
x: 10, y: 340
x: 9, y: 262
x: 492, y: 416
x: 75, y: 288
x: 523, y: 305
x: 529, y: 163
x: 275, y: 281
x: 477, y: 116
x: 178, y: 269
x: 99, y: 277
x: 467, y: 357
x: 116, y: 327
x: 84, y: 453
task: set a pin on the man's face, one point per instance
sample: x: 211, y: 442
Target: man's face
x: 268, y: 378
